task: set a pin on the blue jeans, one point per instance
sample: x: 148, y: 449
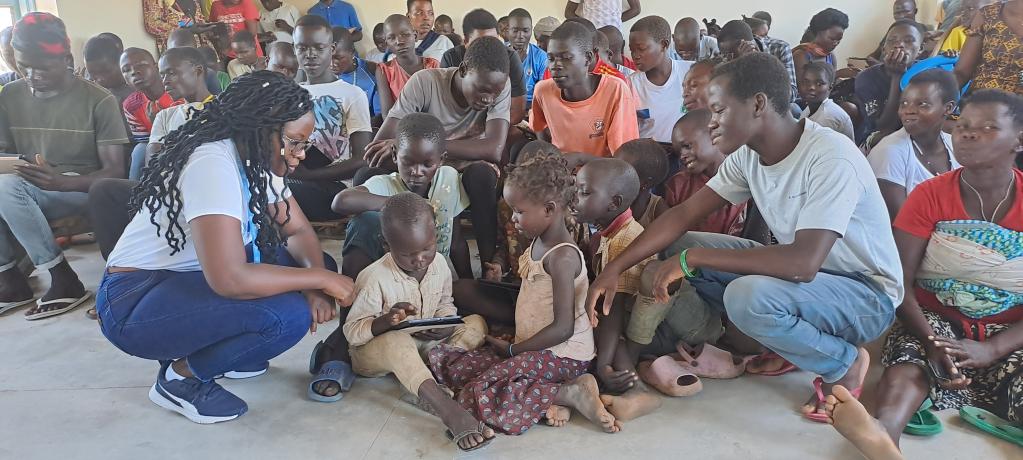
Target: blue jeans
x: 25, y: 212
x: 164, y: 315
x: 138, y: 161
x: 816, y: 325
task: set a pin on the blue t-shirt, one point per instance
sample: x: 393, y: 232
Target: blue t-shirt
x: 338, y: 14
x: 367, y: 82
x: 533, y: 68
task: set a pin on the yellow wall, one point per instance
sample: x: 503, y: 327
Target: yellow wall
x: 87, y: 18
x: 868, y: 18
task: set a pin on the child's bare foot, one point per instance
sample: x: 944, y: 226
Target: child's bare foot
x: 853, y: 421
x: 557, y: 416
x: 584, y: 396
x: 766, y: 365
x: 634, y: 404
x: 853, y: 379
x: 616, y: 382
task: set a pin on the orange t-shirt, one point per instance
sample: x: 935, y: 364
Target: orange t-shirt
x: 597, y: 126
x: 397, y: 76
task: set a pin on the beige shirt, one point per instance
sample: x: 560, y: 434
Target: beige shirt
x: 383, y: 284
x: 534, y: 309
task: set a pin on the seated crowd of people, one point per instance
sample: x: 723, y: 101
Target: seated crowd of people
x: 707, y: 203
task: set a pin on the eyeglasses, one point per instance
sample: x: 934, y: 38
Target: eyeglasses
x: 296, y: 144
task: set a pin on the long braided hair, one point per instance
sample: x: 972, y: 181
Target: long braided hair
x: 251, y: 111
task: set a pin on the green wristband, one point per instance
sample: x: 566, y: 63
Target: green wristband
x: 685, y: 267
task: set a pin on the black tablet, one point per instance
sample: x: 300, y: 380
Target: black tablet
x: 429, y: 322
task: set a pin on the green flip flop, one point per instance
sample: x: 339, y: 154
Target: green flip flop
x: 992, y: 424
x: 924, y: 422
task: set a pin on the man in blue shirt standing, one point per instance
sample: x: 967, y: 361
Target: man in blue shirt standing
x: 339, y: 14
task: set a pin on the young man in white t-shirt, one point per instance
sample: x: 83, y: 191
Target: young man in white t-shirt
x: 658, y: 80
x: 277, y: 21
x: 602, y: 12
x: 428, y: 43
x: 342, y: 124
x: 830, y: 285
x: 183, y: 71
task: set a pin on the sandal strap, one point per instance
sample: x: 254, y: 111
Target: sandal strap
x: 817, y: 383
x: 337, y: 371
x: 465, y: 434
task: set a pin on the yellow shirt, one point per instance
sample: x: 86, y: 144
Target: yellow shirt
x: 612, y: 245
x: 955, y: 40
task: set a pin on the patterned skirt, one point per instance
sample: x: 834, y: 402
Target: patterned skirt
x: 997, y: 388
x: 510, y: 395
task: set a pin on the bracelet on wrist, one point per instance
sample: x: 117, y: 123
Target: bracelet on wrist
x: 685, y: 267
x: 510, y: 351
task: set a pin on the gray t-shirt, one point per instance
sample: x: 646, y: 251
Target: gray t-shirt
x: 454, y: 57
x: 429, y: 91
x: 67, y: 129
x: 827, y: 184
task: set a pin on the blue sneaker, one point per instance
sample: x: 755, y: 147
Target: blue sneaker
x: 200, y: 402
x: 247, y: 372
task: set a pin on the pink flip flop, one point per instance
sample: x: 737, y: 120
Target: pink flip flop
x: 820, y: 417
x: 785, y: 368
x: 712, y: 362
x: 670, y: 377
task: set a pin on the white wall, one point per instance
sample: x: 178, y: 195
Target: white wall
x: 868, y: 18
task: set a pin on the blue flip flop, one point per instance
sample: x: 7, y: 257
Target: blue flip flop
x: 333, y: 371
x: 313, y: 368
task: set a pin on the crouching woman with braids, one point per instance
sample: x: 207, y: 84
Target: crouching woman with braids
x: 185, y: 284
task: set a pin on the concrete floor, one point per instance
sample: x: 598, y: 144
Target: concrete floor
x: 65, y: 392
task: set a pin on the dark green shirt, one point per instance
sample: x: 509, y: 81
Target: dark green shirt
x: 67, y: 129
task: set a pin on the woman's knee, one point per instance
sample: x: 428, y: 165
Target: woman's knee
x: 902, y: 375
x: 290, y: 317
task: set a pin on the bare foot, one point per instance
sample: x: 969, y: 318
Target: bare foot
x: 853, y: 379
x: 852, y: 420
x: 584, y: 396
x: 557, y: 416
x: 635, y: 403
x: 759, y: 365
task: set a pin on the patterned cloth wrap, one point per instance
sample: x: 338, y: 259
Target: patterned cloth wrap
x: 974, y: 266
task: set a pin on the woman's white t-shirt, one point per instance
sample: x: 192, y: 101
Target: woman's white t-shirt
x: 210, y: 184
x: 895, y: 160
